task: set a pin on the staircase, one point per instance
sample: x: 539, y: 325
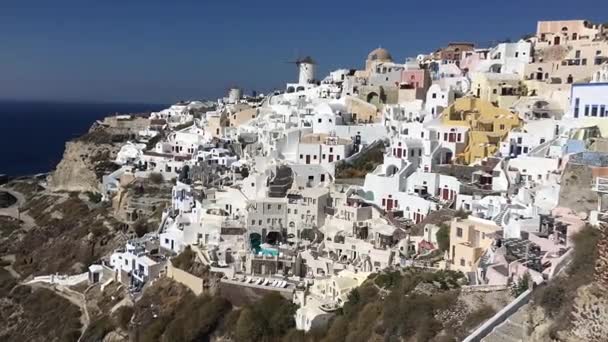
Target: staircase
x: 500, y: 217
x: 511, y: 330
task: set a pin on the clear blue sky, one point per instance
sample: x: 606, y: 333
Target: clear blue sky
x: 158, y: 51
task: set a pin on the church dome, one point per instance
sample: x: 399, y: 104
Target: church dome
x: 379, y: 54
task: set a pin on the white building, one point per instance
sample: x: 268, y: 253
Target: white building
x: 588, y: 100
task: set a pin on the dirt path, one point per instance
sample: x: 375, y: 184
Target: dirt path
x: 14, y: 210
x: 11, y: 258
x: 74, y: 297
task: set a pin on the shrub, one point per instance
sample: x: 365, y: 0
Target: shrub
x: 443, y: 237
x: 141, y: 227
x: 156, y: 178
x: 94, y: 197
x: 123, y: 316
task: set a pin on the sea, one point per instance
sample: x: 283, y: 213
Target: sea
x: 33, y: 133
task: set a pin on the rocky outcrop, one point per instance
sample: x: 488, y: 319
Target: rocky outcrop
x: 590, y: 314
x: 82, y: 166
x: 576, y: 190
x: 86, y: 159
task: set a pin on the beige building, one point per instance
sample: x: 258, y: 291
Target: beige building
x: 469, y: 239
x: 242, y: 117
x: 568, y: 51
x: 500, y: 89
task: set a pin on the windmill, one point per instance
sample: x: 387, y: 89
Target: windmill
x: 306, y: 69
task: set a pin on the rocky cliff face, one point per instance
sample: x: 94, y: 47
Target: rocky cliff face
x: 85, y: 160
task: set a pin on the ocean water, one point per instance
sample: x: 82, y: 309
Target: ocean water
x: 33, y: 134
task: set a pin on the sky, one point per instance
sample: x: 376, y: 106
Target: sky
x: 163, y: 51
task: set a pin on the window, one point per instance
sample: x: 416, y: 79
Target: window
x: 405, y: 131
x: 301, y: 156
x: 594, y: 110
x: 584, y: 61
x: 259, y: 222
x: 495, y: 91
x: 268, y: 221
x: 586, y: 110
x: 603, y: 110
x: 598, y: 52
x: 319, y: 120
x: 434, y: 95
x: 323, y: 178
x: 422, y: 134
x: 577, y: 54
x: 338, y: 157
x: 577, y: 102
x: 253, y: 222
x: 502, y: 126
x: 462, y: 262
x: 459, y: 232
x: 322, y: 156
x: 314, y: 157
x: 516, y: 54
x: 268, y: 206
x: 295, y: 211
x: 459, y: 136
x: 419, y: 153
x: 331, y: 149
x: 542, y: 140
x: 167, y: 241
x: 289, y: 210
x: 279, y: 207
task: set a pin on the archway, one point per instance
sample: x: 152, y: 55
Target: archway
x: 391, y: 170
x: 274, y: 237
x: 255, y: 240
x: 373, y: 98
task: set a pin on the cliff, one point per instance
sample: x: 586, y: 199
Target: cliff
x: 85, y: 160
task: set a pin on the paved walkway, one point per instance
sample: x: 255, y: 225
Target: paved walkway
x: 511, y: 330
x: 13, y: 210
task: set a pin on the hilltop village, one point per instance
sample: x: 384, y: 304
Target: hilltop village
x: 471, y: 170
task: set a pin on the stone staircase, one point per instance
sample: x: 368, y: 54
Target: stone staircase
x: 500, y: 217
x: 511, y: 330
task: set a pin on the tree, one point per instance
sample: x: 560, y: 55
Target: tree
x: 521, y: 285
x: 156, y: 178
x: 247, y: 327
x: 443, y: 237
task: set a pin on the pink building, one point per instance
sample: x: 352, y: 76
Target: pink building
x: 417, y: 78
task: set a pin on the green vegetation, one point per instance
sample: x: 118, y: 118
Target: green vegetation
x: 156, y: 178
x: 187, y: 261
x: 268, y: 319
x: 141, y: 227
x: 98, y: 329
x: 94, y: 197
x: 443, y: 237
x: 362, y: 165
x: 521, y: 286
x: 122, y: 316
x: 38, y: 315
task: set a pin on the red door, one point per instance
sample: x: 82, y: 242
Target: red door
x: 446, y: 194
x: 389, y: 204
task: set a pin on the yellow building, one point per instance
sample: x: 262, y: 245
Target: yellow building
x: 488, y: 126
x: 469, y: 239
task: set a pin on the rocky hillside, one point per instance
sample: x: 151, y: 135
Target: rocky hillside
x: 84, y: 162
x: 87, y: 158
